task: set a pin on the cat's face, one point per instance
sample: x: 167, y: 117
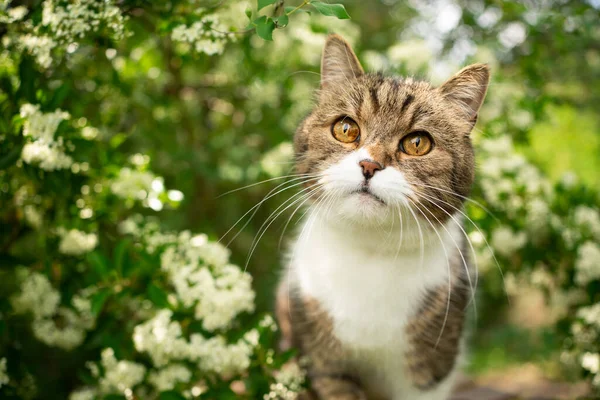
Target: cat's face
x: 380, y: 146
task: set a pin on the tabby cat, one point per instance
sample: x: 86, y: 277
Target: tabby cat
x: 377, y: 284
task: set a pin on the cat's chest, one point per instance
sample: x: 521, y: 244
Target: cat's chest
x: 369, y: 293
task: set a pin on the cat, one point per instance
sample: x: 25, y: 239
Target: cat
x: 377, y: 285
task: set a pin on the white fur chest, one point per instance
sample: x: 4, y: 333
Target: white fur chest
x: 370, y: 289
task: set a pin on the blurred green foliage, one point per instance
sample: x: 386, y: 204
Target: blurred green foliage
x: 193, y: 99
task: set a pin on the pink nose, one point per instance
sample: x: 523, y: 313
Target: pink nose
x: 369, y: 167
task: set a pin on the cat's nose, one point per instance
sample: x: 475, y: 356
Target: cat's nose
x: 369, y: 167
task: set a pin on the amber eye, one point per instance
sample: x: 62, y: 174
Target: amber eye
x: 345, y: 130
x: 416, y: 143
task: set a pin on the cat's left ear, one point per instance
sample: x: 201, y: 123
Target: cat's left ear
x: 339, y: 63
x: 467, y: 89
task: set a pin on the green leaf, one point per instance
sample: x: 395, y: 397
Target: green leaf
x: 331, y: 10
x: 98, y: 300
x: 264, y: 27
x: 99, y: 263
x: 27, y: 77
x: 282, y: 20
x: 117, y: 140
x: 60, y: 95
x: 157, y: 296
x: 264, y: 3
x: 120, y: 254
x: 10, y: 158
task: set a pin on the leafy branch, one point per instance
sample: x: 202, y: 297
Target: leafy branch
x: 265, y: 25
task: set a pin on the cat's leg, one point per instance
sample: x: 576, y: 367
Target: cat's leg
x: 333, y: 388
x: 311, y: 331
x: 435, y: 338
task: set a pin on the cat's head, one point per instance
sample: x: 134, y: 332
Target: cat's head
x: 377, y: 145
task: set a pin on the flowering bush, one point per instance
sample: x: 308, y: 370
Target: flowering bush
x: 120, y: 125
x: 547, y: 236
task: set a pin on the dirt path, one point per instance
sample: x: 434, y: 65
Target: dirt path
x: 520, y: 383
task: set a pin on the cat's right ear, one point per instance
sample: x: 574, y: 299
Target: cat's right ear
x: 339, y: 63
x: 467, y: 89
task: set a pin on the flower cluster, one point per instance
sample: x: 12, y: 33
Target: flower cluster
x: 12, y: 14
x: 65, y: 23
x: 288, y: 383
x: 46, y: 151
x: 76, y: 243
x: 533, y: 216
x: 53, y: 324
x: 208, y: 289
x: 138, y: 184
x: 200, y: 272
x: 168, y: 377
x: 586, y: 264
x: 70, y: 21
x: 207, y: 35
x: 508, y: 180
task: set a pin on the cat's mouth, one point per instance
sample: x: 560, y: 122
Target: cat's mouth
x: 364, y: 191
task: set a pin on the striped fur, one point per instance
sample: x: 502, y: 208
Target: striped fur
x: 377, y: 285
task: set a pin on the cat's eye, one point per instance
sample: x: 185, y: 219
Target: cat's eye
x: 345, y: 130
x: 416, y: 143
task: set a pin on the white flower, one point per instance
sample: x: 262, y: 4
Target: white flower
x: 68, y: 335
x: 198, y: 270
x: 134, y: 184
x: 40, y: 47
x: 268, y: 322
x: 538, y: 217
x: 4, y: 379
x: 208, y: 35
x: 587, y: 264
x: 84, y: 394
x: 288, y: 384
x: 591, y: 362
x: 166, y: 378
x: 507, y: 242
x: 66, y: 328
x: 33, y: 216
x: 590, y: 314
x: 162, y: 339
x: 36, y: 295
x: 48, y: 156
x: 222, y: 298
x: 45, y: 150
x: 89, y: 132
x: 40, y: 125
x: 588, y: 218
x: 119, y: 376
x: 13, y: 14
x: 215, y: 355
x: 569, y: 179
x: 73, y: 20
x: 76, y: 243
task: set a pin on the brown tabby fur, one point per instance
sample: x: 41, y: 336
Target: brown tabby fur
x: 387, y: 109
